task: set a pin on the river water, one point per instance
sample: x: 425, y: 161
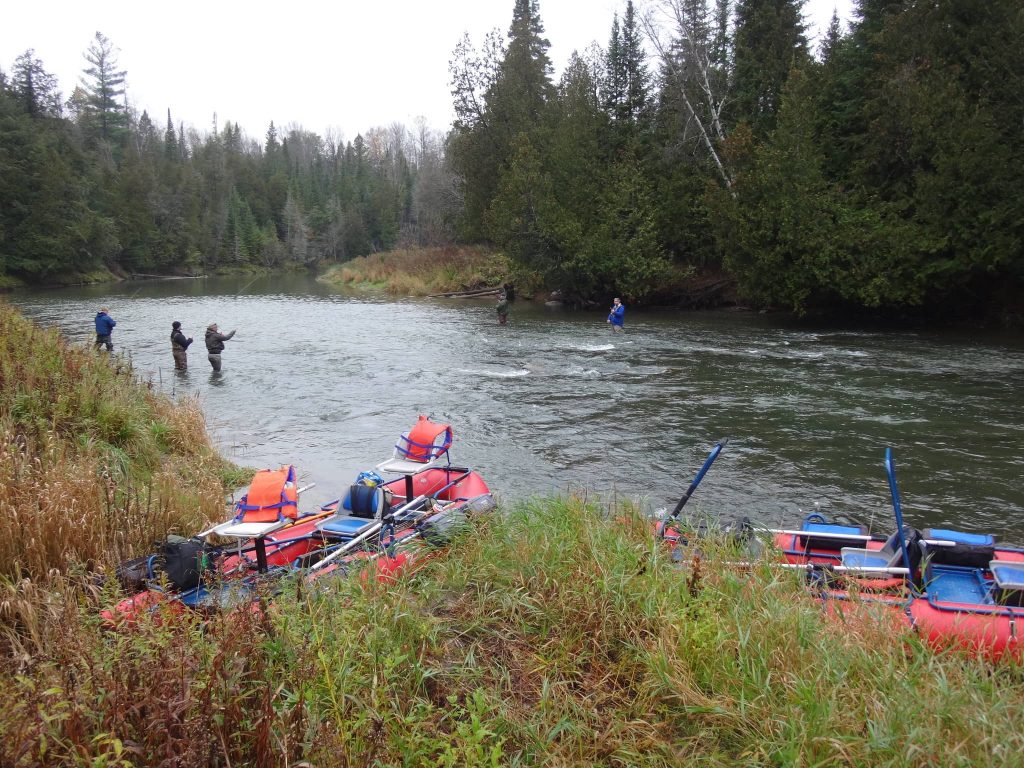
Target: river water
x: 327, y: 379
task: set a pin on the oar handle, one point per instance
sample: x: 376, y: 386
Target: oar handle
x: 700, y: 476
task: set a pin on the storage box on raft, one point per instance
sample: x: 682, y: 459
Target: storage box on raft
x: 1008, y: 577
x: 967, y: 550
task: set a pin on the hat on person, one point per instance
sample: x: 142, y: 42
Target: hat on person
x: 211, y: 327
x: 175, y: 325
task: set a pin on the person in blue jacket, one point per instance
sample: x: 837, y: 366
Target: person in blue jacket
x: 615, y: 316
x: 104, y: 327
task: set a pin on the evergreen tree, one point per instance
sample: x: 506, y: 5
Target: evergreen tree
x: 796, y: 240
x: 496, y: 101
x: 171, y: 150
x: 613, y: 84
x: 34, y: 87
x: 626, y: 81
x: 770, y: 40
x: 635, y: 106
x: 105, y: 116
x: 832, y: 40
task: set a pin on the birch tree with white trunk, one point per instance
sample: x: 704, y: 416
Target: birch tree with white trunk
x: 679, y: 32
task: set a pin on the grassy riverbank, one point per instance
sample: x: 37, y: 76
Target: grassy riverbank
x: 556, y: 634
x: 94, y: 466
x: 425, y: 271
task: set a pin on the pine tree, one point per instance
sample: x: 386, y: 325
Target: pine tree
x: 635, y: 106
x: 613, y: 86
x: 524, y: 86
x: 105, y: 115
x: 171, y: 150
x: 770, y: 40
x: 833, y: 39
x: 34, y: 87
x: 496, y: 101
x: 626, y: 77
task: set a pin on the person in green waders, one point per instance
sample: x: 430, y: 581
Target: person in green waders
x: 502, y: 308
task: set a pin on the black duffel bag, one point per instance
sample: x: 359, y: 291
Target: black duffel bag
x: 183, y: 561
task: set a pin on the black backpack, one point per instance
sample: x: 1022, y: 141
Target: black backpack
x: 184, y: 561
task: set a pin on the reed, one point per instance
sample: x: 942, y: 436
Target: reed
x: 556, y: 634
x: 424, y: 271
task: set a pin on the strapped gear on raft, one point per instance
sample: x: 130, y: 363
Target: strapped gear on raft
x: 425, y: 442
x: 272, y: 496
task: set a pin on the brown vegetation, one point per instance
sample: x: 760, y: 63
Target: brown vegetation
x: 424, y: 271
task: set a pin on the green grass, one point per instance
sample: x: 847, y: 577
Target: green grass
x: 555, y: 634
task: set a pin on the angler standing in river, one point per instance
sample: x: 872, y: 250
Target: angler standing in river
x: 615, y: 316
x: 179, y: 343
x: 215, y: 345
x: 502, y: 308
x: 104, y: 328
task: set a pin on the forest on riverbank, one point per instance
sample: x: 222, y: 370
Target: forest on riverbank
x: 881, y: 170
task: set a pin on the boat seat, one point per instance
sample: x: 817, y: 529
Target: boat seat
x: 361, y: 508
x: 1008, y: 576
x: 889, y: 556
x: 828, y: 536
x: 397, y: 465
x: 417, y: 450
x: 271, y: 503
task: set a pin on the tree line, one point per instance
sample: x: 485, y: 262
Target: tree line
x: 881, y: 170
x: 87, y: 183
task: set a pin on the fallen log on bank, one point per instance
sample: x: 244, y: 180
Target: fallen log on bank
x: 466, y: 294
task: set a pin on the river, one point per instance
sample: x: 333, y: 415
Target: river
x: 327, y: 379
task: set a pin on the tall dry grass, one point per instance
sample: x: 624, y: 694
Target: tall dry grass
x: 554, y: 635
x: 424, y: 271
x: 94, y: 466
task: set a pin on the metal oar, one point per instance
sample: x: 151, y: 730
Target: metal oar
x: 374, y: 528
x: 693, y: 486
x: 867, y: 570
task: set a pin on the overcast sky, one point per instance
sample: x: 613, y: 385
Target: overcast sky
x: 347, y: 65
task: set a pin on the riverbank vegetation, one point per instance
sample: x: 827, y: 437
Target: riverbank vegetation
x: 94, y: 466
x: 558, y: 634
x: 424, y: 271
x: 881, y: 170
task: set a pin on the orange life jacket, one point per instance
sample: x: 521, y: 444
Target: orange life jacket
x: 271, y: 496
x: 425, y: 441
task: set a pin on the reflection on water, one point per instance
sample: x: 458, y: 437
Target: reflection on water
x: 554, y: 401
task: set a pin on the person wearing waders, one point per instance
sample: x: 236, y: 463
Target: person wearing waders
x: 615, y: 316
x: 179, y: 343
x: 104, y: 327
x: 502, y: 308
x: 215, y: 345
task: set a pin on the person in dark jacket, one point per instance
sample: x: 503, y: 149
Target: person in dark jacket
x: 178, y: 346
x: 104, y: 327
x: 502, y: 309
x: 215, y: 344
